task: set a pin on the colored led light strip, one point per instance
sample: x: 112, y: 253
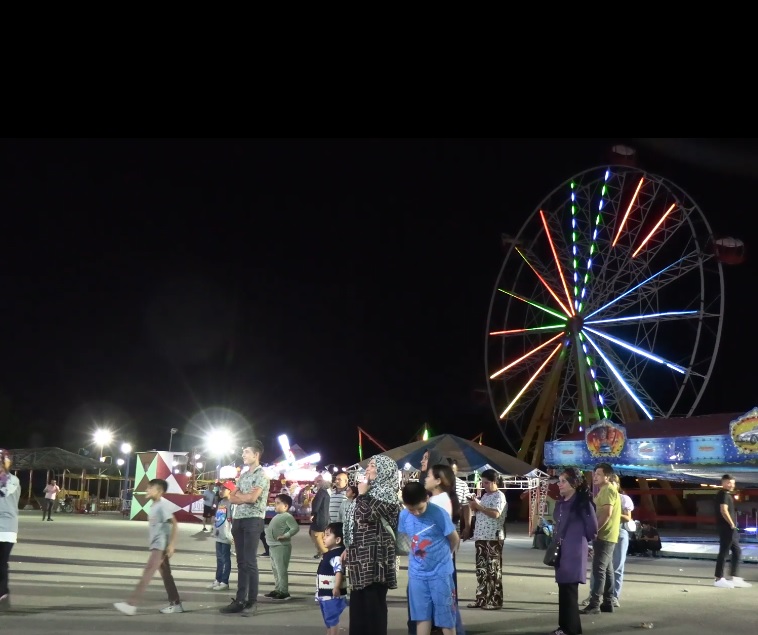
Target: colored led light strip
x: 618, y: 376
x: 523, y: 357
x: 593, y: 243
x: 531, y: 380
x: 637, y: 350
x: 634, y: 288
x: 628, y: 210
x: 535, y: 304
x: 652, y: 231
x: 593, y: 374
x: 630, y: 318
x: 574, y: 248
x: 557, y: 262
x: 534, y: 328
x: 544, y: 282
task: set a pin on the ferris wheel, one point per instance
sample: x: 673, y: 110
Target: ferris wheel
x: 608, y: 305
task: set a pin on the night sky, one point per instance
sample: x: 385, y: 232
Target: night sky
x: 309, y: 286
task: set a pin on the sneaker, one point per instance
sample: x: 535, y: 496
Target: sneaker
x: 723, y: 583
x: 213, y: 585
x: 125, y: 608
x: 586, y: 601
x: 615, y: 603
x: 5, y: 602
x: 606, y: 607
x: 204, y: 529
x: 249, y: 608
x: 173, y: 608
x: 739, y: 583
x: 590, y: 610
x: 558, y: 631
x: 271, y: 594
x: 317, y: 556
x: 221, y: 586
x: 265, y: 554
x: 233, y: 607
x: 280, y: 596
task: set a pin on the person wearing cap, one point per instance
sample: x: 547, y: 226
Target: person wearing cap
x: 10, y: 491
x: 222, y: 533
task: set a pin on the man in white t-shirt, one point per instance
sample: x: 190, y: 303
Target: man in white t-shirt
x: 51, y: 492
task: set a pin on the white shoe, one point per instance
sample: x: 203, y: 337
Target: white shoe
x: 739, y: 583
x: 723, y: 583
x: 173, y: 608
x: 213, y: 585
x: 126, y: 609
x: 221, y: 586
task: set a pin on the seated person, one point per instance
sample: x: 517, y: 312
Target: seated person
x: 649, y: 540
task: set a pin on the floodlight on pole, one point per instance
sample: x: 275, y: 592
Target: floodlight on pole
x: 171, y: 438
x: 102, y: 437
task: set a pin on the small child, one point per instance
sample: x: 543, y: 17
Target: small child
x: 431, y: 593
x: 163, y: 529
x: 279, y: 533
x: 222, y: 532
x: 331, y: 585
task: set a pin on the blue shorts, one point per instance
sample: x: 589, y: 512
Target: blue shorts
x: 331, y: 609
x: 433, y: 599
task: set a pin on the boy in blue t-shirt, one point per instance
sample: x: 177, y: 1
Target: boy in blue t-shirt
x: 431, y: 593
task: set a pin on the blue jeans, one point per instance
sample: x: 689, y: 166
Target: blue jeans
x: 223, y: 562
x: 619, y: 559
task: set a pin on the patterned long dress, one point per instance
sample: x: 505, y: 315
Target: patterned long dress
x: 488, y: 541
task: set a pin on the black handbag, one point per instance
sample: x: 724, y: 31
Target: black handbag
x: 553, y: 554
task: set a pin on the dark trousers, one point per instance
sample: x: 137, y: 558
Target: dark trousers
x: 568, y: 609
x: 264, y: 543
x: 368, y: 610
x: 156, y: 562
x: 5, y: 554
x: 246, y: 533
x: 47, y: 507
x: 602, y: 572
x: 729, y: 540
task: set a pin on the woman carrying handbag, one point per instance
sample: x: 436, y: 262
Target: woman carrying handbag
x: 576, y: 526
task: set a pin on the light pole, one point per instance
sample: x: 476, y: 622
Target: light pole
x: 102, y: 438
x: 171, y: 438
x: 126, y: 448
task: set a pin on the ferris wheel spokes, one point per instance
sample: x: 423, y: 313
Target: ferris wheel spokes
x: 557, y: 262
x: 637, y: 350
x: 658, y: 317
x: 526, y: 356
x: 628, y: 211
x: 534, y: 304
x: 544, y: 282
x: 531, y: 380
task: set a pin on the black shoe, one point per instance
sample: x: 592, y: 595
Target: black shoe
x: 265, y: 554
x: 5, y: 602
x: 50, y: 519
x: 272, y: 594
x: 606, y: 607
x: 590, y: 610
x: 234, y: 607
x: 317, y: 556
x: 280, y: 596
x: 249, y: 608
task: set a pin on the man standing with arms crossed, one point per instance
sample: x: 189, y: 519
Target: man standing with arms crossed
x: 729, y: 537
x: 250, y: 498
x: 608, y: 510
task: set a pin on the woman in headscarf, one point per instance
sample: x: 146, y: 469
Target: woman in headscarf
x: 10, y: 491
x: 371, y: 556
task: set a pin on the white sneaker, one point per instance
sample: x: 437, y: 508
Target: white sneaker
x: 723, y: 583
x: 126, y: 609
x: 221, y: 586
x: 739, y: 583
x: 213, y: 585
x: 173, y: 608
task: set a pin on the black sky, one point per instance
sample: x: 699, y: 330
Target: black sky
x: 311, y: 286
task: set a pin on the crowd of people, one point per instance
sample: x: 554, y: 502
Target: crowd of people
x: 358, y: 531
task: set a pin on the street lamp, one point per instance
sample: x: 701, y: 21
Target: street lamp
x: 126, y: 448
x: 171, y: 438
x: 102, y: 437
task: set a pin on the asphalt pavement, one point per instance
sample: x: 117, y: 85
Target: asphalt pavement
x: 65, y: 575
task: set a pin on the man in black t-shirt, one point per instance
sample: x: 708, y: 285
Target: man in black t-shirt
x: 729, y: 537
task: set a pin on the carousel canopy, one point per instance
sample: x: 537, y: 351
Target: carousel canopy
x: 469, y: 455
x: 56, y: 459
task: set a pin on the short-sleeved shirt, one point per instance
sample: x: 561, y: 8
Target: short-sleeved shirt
x: 724, y: 498
x: 209, y: 498
x: 609, y: 495
x: 430, y: 555
x: 159, y: 522
x: 247, y: 483
x: 485, y: 527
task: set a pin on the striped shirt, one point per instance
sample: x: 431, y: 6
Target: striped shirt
x: 462, y: 491
x: 335, y: 506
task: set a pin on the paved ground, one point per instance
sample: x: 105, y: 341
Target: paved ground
x: 66, y: 574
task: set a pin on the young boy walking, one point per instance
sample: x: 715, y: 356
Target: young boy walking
x: 222, y: 532
x: 431, y: 592
x: 163, y: 527
x: 279, y: 534
x: 331, y: 583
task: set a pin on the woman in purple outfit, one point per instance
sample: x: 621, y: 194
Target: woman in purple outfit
x: 575, y: 525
